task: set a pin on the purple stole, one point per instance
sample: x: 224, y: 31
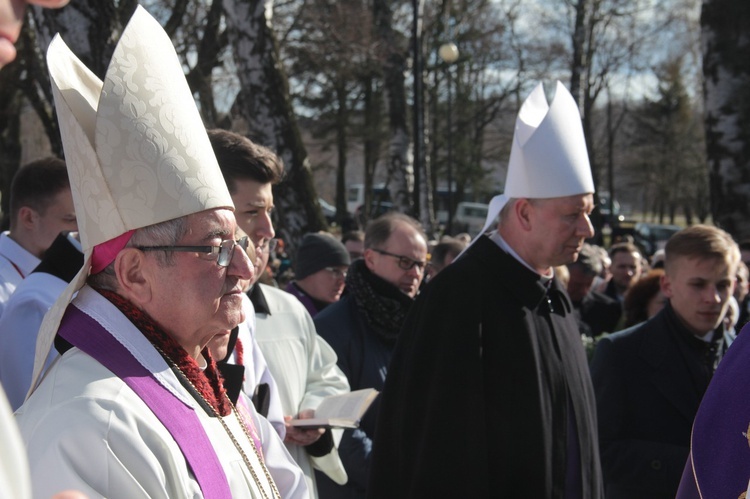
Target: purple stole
x: 180, y: 420
x: 719, y: 461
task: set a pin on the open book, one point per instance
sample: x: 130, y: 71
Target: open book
x: 340, y: 411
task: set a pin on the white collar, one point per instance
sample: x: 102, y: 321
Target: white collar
x: 17, y: 254
x: 497, y: 239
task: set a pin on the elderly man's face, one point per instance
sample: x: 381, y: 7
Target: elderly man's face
x: 195, y: 298
x: 11, y: 19
x: 409, y: 247
x: 557, y: 229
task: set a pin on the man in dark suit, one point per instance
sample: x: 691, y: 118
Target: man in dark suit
x: 596, y: 312
x: 649, y: 379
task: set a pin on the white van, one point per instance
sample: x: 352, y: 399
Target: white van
x: 470, y: 217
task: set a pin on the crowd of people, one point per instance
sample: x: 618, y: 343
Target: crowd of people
x: 158, y: 340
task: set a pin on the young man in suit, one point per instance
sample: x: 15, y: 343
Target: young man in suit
x: 649, y: 380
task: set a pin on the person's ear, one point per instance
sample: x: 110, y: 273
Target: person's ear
x: 27, y: 217
x: 666, y: 285
x: 369, y: 257
x: 523, y: 210
x: 131, y: 270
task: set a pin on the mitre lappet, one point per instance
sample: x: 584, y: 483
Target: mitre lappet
x: 548, y: 157
x: 136, y: 149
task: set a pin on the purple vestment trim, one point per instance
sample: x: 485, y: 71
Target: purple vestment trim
x: 688, y: 488
x: 719, y: 463
x: 180, y: 420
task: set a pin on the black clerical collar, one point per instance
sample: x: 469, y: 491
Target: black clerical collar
x: 258, y: 300
x: 62, y: 259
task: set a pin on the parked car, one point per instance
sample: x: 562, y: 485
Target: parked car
x: 652, y: 237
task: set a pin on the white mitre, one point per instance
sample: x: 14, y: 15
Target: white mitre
x: 136, y: 149
x: 548, y: 157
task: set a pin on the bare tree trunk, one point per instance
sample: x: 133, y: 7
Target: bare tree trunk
x: 422, y: 196
x: 434, y: 136
x: 725, y: 27
x: 584, y: 45
x: 10, y: 140
x: 400, y: 168
x: 373, y: 123
x: 213, y: 41
x: 342, y: 146
x: 579, y: 64
x: 265, y: 105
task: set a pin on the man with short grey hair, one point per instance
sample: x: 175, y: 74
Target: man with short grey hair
x: 491, y: 347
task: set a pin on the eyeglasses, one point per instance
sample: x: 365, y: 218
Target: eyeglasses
x: 223, y: 252
x: 404, y: 262
x: 336, y: 273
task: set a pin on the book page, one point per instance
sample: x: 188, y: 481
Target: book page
x: 346, y: 406
x: 342, y: 411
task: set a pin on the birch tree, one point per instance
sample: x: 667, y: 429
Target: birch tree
x: 393, y: 54
x: 265, y: 106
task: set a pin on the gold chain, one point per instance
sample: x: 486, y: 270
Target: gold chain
x: 236, y: 443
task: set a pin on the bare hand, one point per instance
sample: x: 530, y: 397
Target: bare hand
x: 300, y: 436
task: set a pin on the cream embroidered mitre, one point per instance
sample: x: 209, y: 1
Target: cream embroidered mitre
x: 135, y: 145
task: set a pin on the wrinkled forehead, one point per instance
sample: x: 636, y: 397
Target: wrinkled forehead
x: 212, y: 224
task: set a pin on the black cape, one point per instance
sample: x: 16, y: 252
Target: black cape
x: 480, y: 387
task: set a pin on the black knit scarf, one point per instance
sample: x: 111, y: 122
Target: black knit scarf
x: 383, y: 305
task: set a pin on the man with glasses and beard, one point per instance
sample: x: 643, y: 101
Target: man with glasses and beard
x: 363, y: 326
